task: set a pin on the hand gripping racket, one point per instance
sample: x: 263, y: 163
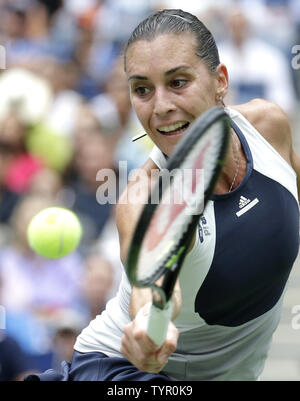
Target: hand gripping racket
x: 168, y: 221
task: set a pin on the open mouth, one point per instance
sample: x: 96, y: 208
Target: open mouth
x: 174, y: 129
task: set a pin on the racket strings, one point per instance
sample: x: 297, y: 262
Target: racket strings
x: 181, y: 204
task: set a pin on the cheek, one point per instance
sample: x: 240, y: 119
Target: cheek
x: 203, y: 100
x: 211, y: 92
x: 142, y: 111
x: 206, y: 90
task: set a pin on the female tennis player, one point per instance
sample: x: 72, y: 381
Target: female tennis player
x: 228, y: 298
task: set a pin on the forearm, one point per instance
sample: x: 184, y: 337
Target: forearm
x: 139, y: 298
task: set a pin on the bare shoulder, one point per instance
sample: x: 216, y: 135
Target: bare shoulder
x: 131, y: 203
x: 271, y: 122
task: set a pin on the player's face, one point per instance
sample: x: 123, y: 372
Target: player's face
x: 170, y: 86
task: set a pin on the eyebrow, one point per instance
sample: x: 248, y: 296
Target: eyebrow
x: 167, y: 73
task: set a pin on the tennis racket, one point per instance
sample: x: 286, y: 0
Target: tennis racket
x: 168, y: 222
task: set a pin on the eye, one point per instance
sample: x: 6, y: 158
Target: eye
x: 141, y: 91
x: 178, y: 83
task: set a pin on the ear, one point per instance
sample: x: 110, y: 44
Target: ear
x: 222, y: 82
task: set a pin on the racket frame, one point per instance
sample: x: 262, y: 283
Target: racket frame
x: 161, y: 309
x: 205, y: 121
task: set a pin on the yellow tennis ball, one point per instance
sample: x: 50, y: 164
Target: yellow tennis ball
x: 54, y: 232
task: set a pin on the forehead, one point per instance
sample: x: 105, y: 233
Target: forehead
x: 162, y: 53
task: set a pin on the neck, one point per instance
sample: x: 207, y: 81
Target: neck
x: 234, y: 168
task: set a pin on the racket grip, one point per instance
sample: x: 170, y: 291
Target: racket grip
x: 158, y: 322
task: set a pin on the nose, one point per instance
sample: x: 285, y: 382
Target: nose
x: 163, y: 103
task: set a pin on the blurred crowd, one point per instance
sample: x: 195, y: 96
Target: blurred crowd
x: 65, y: 115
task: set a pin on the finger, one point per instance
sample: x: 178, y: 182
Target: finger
x: 142, y: 362
x: 125, y: 346
x: 140, y: 336
x: 135, y: 338
x: 135, y: 353
x: 132, y: 347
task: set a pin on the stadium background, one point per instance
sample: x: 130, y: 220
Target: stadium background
x: 65, y: 114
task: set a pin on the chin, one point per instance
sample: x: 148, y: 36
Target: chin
x: 168, y: 148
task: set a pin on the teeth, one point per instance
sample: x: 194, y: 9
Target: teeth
x: 172, y: 127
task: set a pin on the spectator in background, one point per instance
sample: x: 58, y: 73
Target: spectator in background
x: 14, y: 363
x: 272, y: 21
x: 97, y: 283
x: 35, y: 290
x: 66, y: 328
x: 13, y: 29
x: 88, y: 84
x: 21, y: 165
x: 31, y: 142
x: 117, y: 91
x: 50, y: 138
x: 111, y: 24
x: 8, y: 198
x: 113, y: 109
x: 97, y: 288
x: 257, y: 68
x: 94, y: 150
x: 47, y: 183
x: 63, y: 343
x: 65, y: 101
x: 40, y: 34
x: 13, y: 25
x: 295, y: 12
x: 117, y: 18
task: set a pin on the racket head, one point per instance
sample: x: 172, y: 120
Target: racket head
x: 164, y: 231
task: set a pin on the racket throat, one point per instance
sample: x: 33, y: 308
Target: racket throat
x: 159, y: 298
x: 162, y: 295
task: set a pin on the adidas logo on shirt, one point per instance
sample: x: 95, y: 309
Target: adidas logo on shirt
x: 243, y: 202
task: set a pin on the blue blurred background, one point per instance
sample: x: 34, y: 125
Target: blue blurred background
x: 65, y: 114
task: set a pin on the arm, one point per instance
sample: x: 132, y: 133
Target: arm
x: 272, y: 122
x: 136, y: 345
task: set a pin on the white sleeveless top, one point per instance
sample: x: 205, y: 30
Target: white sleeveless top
x: 234, y: 278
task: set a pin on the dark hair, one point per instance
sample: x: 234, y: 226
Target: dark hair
x: 177, y: 22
